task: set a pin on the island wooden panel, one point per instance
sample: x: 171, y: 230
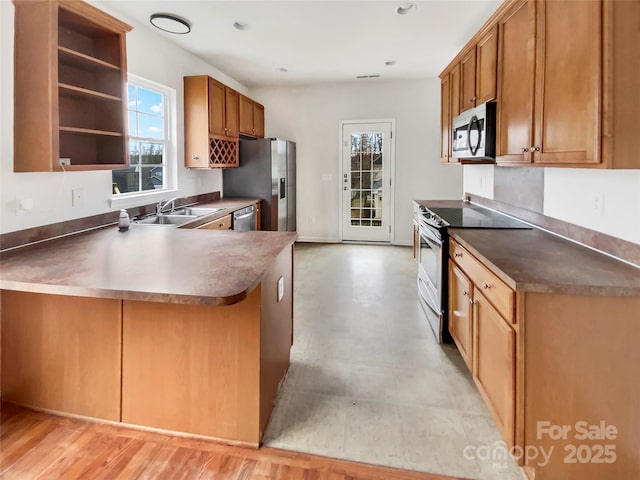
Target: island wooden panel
x: 62, y: 353
x: 582, y: 363
x: 276, y: 332
x: 193, y: 368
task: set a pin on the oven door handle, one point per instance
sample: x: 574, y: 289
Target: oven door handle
x: 428, y: 235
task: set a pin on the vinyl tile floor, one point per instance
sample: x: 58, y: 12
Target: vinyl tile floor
x: 367, y: 380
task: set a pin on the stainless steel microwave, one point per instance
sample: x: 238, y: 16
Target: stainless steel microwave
x: 474, y: 133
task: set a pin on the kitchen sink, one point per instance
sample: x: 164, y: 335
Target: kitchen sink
x: 165, y: 219
x: 195, y: 211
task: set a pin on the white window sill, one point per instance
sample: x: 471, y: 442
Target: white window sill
x: 139, y: 199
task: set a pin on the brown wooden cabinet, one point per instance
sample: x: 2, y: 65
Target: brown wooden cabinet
x: 478, y: 71
x: 69, y: 87
x: 515, y: 84
x: 211, y: 123
x: 494, y: 364
x: 468, y: 80
x: 562, y: 81
x: 481, y: 319
x: 460, y: 313
x: 223, y: 223
x: 581, y: 117
x: 449, y: 109
x: 567, y: 107
x: 223, y: 110
x: 251, y: 117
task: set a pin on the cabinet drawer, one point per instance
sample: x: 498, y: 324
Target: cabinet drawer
x: 499, y: 294
x: 223, y: 223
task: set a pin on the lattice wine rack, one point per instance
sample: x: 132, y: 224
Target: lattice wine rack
x: 223, y: 153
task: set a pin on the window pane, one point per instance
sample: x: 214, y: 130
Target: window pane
x: 152, y: 153
x: 127, y: 180
x: 150, y: 126
x: 152, y: 177
x: 134, y: 153
x: 133, y: 126
x: 131, y: 96
x: 149, y: 102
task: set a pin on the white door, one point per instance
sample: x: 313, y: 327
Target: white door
x: 366, y: 176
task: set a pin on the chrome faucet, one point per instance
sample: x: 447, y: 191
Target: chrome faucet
x: 161, y: 207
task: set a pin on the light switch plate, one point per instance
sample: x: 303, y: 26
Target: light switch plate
x: 280, y: 288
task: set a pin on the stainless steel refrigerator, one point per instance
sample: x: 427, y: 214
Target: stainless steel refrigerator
x: 267, y: 171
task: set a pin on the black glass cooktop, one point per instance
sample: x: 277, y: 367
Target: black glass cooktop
x: 471, y: 217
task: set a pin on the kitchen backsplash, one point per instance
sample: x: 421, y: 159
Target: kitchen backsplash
x: 521, y: 187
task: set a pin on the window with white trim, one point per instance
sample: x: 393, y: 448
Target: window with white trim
x: 149, y: 148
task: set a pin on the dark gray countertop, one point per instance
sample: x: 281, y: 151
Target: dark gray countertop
x: 150, y: 263
x: 537, y: 261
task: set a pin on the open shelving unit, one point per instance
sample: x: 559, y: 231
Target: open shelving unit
x: 70, y: 87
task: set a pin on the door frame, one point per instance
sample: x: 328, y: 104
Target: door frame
x: 392, y: 175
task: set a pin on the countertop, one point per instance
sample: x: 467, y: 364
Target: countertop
x: 150, y: 263
x: 537, y: 261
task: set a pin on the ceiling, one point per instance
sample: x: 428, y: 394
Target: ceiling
x: 320, y: 41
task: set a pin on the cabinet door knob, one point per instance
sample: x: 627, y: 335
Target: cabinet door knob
x: 465, y: 293
x: 486, y: 286
x: 525, y: 149
x: 535, y: 149
x: 456, y: 255
x: 195, y: 156
x: 472, y: 302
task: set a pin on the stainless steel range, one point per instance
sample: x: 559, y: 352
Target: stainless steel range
x: 433, y: 252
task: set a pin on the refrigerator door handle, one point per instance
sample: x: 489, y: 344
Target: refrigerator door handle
x: 283, y: 188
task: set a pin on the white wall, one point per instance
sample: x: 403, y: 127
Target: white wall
x: 149, y: 55
x: 607, y: 201
x: 310, y: 116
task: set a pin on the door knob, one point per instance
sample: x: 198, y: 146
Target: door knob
x: 525, y: 149
x: 535, y: 149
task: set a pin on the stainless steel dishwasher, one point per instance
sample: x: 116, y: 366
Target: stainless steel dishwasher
x: 245, y: 219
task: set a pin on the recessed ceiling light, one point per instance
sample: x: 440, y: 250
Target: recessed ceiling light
x: 388, y: 63
x: 168, y: 22
x: 368, y: 76
x: 406, y: 8
x: 283, y: 70
x: 240, y: 25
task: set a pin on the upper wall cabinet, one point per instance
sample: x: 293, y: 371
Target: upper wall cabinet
x: 567, y: 92
x: 211, y: 123
x: 251, y: 118
x: 478, y: 71
x: 567, y: 82
x: 449, y: 109
x: 69, y: 87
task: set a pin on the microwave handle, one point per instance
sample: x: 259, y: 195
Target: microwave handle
x: 474, y: 121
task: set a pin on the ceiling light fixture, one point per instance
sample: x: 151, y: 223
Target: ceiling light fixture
x: 406, y: 8
x: 283, y: 70
x: 168, y: 22
x: 240, y: 25
x: 368, y: 76
x: 388, y: 63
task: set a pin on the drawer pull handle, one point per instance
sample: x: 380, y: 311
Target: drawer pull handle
x: 486, y: 286
x: 456, y: 255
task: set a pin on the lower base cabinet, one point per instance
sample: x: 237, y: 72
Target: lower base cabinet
x: 494, y: 364
x: 460, y: 313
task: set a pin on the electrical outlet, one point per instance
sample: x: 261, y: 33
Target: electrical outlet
x: 24, y: 204
x: 65, y: 162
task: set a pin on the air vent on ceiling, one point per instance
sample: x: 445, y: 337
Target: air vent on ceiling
x: 368, y: 76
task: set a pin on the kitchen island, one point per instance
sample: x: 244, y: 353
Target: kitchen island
x: 167, y: 328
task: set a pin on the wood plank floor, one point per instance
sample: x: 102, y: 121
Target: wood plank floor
x: 36, y: 445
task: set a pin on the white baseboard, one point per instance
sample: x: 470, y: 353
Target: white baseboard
x: 403, y: 243
x: 317, y: 239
